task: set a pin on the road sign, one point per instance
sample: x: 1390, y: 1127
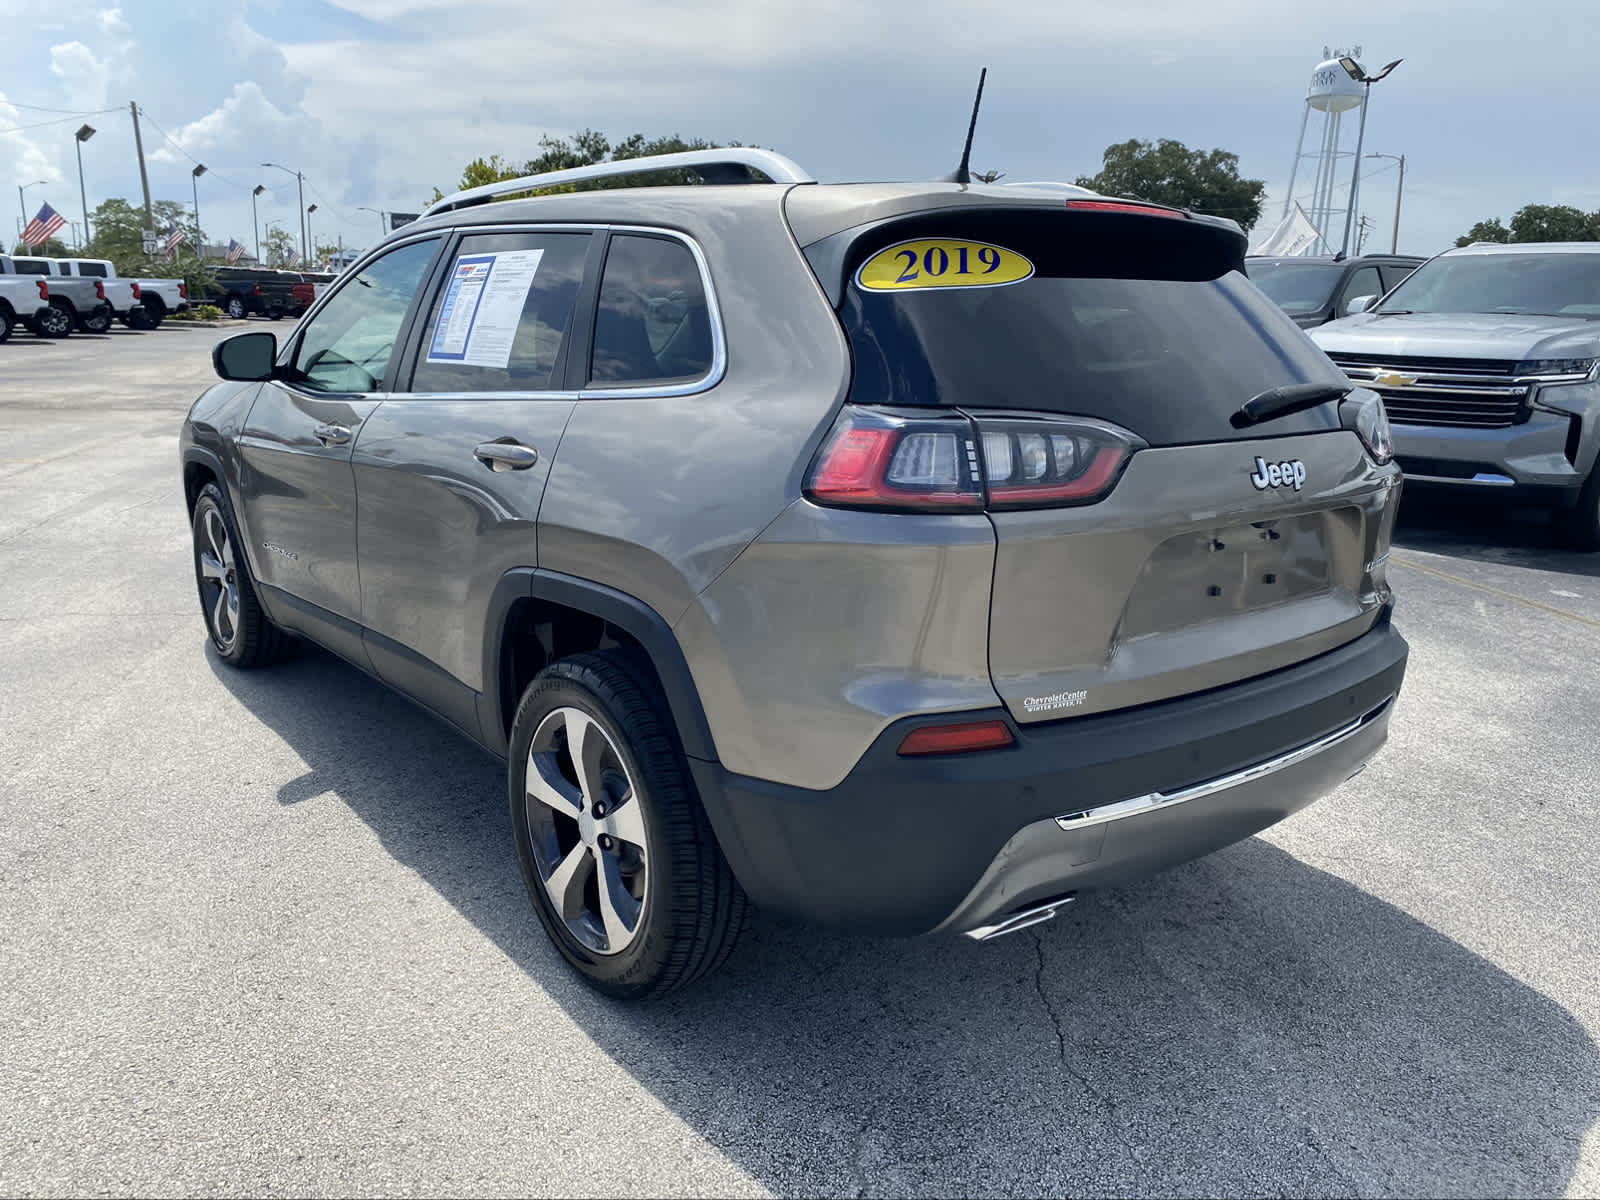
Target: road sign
x: 151, y: 242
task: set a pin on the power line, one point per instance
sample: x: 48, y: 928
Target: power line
x: 179, y: 146
x: 68, y: 111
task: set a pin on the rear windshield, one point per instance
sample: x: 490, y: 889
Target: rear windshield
x: 1296, y: 287
x: 1145, y: 322
x: 1557, y: 285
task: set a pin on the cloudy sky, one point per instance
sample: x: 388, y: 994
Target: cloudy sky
x: 379, y: 101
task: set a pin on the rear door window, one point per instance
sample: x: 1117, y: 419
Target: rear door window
x: 503, y: 314
x: 653, y: 326
x: 92, y: 270
x: 1145, y: 322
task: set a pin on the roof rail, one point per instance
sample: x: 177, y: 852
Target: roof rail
x: 713, y: 166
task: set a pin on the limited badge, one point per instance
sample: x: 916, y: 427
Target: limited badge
x: 941, y: 263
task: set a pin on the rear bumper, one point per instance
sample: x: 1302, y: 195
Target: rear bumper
x: 909, y: 846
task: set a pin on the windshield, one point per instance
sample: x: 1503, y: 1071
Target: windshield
x: 1295, y: 287
x: 1564, y: 285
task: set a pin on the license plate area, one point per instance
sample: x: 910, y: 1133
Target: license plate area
x: 1204, y: 574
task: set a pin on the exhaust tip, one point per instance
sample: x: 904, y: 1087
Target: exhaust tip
x: 1034, y: 914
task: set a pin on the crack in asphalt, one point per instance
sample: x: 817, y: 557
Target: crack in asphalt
x: 1105, y: 1100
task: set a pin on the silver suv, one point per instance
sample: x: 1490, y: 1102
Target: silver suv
x: 1488, y: 362
x: 901, y: 557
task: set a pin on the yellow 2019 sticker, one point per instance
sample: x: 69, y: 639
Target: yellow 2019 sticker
x: 941, y: 263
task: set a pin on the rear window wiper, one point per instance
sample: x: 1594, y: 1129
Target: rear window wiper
x: 1291, y: 398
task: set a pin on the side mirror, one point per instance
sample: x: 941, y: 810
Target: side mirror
x: 1358, y: 304
x: 246, y: 357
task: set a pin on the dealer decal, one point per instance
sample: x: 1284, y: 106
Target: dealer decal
x: 941, y: 263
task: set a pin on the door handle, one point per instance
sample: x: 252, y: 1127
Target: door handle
x: 332, y: 435
x: 506, y: 456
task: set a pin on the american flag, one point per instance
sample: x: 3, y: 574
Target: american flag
x: 42, y: 227
x: 175, y: 238
x: 235, y: 250
x: 294, y: 257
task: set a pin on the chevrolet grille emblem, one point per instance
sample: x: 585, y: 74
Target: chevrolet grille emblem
x: 1393, y: 379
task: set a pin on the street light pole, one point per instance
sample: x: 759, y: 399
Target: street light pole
x: 383, y: 226
x: 309, y: 211
x: 82, y: 136
x: 1399, y: 191
x: 194, y: 178
x: 255, y: 221
x: 1359, y: 73
x: 300, y: 180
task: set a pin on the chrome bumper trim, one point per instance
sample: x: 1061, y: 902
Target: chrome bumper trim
x: 1150, y: 802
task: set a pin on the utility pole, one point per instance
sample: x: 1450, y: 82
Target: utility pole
x: 1394, y: 242
x: 144, y: 177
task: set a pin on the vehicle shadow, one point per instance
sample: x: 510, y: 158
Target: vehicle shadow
x: 1487, y: 529
x: 1246, y: 1024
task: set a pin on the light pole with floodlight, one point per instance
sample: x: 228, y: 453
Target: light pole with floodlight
x: 83, y: 135
x: 301, y: 181
x: 1359, y: 73
x: 194, y: 179
x: 255, y: 221
x: 1399, y: 191
x: 309, y: 238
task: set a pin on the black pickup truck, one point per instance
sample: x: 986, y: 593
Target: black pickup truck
x: 240, y: 291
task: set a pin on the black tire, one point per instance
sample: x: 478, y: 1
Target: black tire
x: 691, y: 910
x: 276, y: 314
x: 1581, y: 526
x: 57, y: 321
x: 8, y: 322
x: 237, y: 309
x: 139, y: 318
x: 156, y: 307
x: 239, y: 630
x: 97, y: 322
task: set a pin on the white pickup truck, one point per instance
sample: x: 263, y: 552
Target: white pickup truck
x: 160, y: 297
x: 26, y: 301
x: 120, y: 295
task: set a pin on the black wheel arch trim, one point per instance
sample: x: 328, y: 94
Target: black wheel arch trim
x: 628, y: 613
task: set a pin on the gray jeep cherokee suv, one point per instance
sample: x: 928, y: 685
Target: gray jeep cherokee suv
x: 901, y: 557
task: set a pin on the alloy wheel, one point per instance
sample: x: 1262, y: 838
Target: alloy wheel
x: 219, y: 579
x: 586, y: 829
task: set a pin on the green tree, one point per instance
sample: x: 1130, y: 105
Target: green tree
x: 52, y: 248
x: 1485, y: 231
x: 582, y: 149
x: 276, y: 245
x: 1168, y: 172
x: 1538, y: 223
x: 1554, y: 223
x: 119, y: 236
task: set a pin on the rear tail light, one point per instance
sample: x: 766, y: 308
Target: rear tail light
x: 1362, y: 412
x: 183, y: 291
x: 875, y: 458
x: 887, y: 459
x: 956, y: 739
x: 1033, y: 463
x: 44, y: 289
x: 1120, y: 206
x: 137, y: 293
x: 99, y: 289
x: 255, y: 290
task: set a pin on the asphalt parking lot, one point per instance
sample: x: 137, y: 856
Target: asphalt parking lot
x: 265, y: 933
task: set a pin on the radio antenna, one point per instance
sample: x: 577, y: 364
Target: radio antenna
x: 961, y: 174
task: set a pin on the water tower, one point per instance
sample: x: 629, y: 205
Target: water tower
x: 1332, y: 93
